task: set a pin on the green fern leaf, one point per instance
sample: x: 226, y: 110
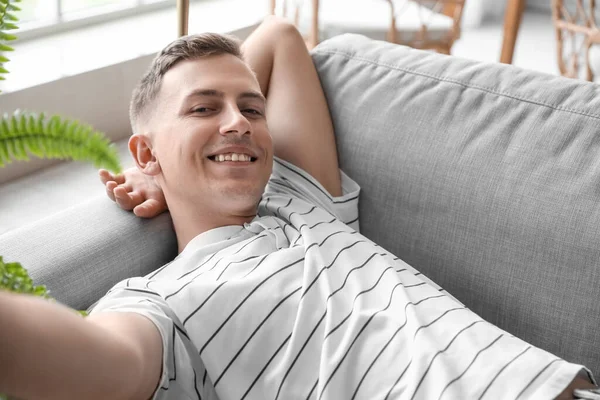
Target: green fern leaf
x: 23, y: 134
x: 8, y: 26
x: 10, y: 17
x: 12, y: 7
x: 7, y: 36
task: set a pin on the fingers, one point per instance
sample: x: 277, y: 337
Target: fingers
x: 106, y: 176
x: 110, y: 187
x: 125, y: 199
x: 149, y: 209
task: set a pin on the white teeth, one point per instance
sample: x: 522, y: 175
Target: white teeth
x: 232, y: 157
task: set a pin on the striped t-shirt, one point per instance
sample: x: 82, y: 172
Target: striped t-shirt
x: 298, y: 305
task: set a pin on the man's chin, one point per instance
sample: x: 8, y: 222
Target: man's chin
x: 240, y: 194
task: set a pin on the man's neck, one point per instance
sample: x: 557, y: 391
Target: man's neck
x: 190, y: 222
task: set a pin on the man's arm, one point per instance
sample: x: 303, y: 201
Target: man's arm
x: 49, y: 352
x: 297, y: 111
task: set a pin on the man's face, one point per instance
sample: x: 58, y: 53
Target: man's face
x: 210, y: 135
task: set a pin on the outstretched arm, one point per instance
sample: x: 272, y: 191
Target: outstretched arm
x: 50, y: 352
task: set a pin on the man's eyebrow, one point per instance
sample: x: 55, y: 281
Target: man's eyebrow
x: 253, y: 95
x: 217, y: 93
x: 206, y: 92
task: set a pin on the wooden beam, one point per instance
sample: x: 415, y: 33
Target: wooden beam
x: 183, y: 12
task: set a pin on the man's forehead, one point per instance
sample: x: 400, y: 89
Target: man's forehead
x: 213, y: 75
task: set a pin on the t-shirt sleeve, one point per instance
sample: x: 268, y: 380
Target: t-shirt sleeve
x: 291, y: 180
x: 183, y: 373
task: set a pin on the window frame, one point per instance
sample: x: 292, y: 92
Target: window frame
x: 102, y: 14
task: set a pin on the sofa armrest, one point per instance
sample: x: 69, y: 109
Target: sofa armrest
x: 83, y: 251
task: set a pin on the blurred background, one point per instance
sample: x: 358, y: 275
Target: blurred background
x: 476, y: 29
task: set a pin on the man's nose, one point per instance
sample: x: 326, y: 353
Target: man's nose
x: 235, y: 122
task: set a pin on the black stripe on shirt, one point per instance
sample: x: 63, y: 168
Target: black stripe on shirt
x: 153, y: 274
x: 329, y: 236
x: 244, y: 300
x: 312, y: 332
x: 261, y: 235
x: 196, y: 384
x: 501, y: 370
x: 128, y: 289
x: 257, y: 265
x: 469, y: 366
x: 364, y: 291
x: 317, y: 224
x: 331, y: 264
x: 362, y: 329
x: 535, y: 377
x: 172, y: 318
x: 203, y: 303
x: 390, y: 340
x: 351, y: 222
x: 254, y: 333
x: 234, y: 262
x: 266, y: 366
x: 332, y: 234
x: 323, y: 317
x: 440, y: 352
x: 415, y: 335
x: 312, y: 390
x: 354, y: 269
x: 174, y: 378
x: 296, y: 192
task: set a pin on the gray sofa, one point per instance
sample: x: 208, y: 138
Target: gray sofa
x: 484, y: 177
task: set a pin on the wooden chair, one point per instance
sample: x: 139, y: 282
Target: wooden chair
x: 425, y: 24
x: 423, y: 38
x: 576, y: 32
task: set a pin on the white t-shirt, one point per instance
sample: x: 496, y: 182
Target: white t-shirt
x: 298, y: 305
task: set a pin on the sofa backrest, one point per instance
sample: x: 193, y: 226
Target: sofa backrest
x: 485, y: 177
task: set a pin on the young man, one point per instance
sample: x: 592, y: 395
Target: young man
x: 274, y: 293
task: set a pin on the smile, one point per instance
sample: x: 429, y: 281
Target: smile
x: 236, y: 157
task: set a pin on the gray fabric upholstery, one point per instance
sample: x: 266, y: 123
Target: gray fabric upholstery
x: 484, y: 177
x: 82, y: 252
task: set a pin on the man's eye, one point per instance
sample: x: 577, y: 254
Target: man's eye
x: 201, y: 109
x: 252, y: 111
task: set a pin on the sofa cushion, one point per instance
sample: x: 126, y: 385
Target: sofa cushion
x: 485, y: 177
x: 80, y: 253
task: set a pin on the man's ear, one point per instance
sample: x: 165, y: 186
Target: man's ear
x: 140, y: 147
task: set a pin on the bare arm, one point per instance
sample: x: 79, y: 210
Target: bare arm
x: 297, y: 111
x: 49, y: 352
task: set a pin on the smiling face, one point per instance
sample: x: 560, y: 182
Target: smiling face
x: 209, y: 137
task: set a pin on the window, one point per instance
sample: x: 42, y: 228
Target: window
x: 42, y: 17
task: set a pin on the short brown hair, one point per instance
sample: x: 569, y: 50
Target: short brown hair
x: 185, y: 48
